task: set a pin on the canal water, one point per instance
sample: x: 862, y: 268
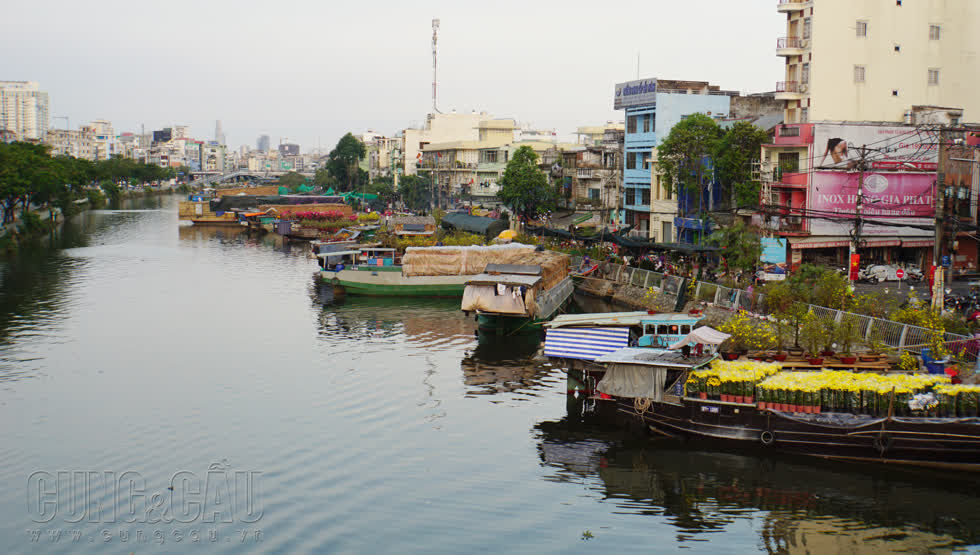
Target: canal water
x: 138, y: 355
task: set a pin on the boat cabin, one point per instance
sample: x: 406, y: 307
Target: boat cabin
x: 663, y: 330
x: 502, y: 289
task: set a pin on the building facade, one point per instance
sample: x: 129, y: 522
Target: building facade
x: 872, y: 60
x: 23, y: 111
x: 653, y: 106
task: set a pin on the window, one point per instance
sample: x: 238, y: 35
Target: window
x: 862, y: 28
x: 645, y: 163
x: 594, y: 194
x: 933, y: 76
x: 859, y: 74
x: 662, y: 329
x: 631, y: 160
x: 668, y: 193
x: 898, y: 48
x: 789, y: 131
x: 804, y: 115
x: 631, y: 124
x: 789, y: 161
x: 894, y: 92
x: 806, y: 28
x: 934, y: 32
x: 638, y: 198
x: 805, y: 74
x: 685, y: 329
x: 646, y: 123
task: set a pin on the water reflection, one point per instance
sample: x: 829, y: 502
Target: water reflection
x: 427, y: 323
x: 794, y: 505
x: 505, y: 364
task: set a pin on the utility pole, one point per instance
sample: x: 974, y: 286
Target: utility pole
x: 939, y: 203
x: 858, y: 221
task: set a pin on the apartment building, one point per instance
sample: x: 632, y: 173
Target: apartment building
x: 872, y: 60
x: 23, y: 111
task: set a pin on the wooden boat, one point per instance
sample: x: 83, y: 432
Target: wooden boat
x: 646, y: 385
x: 511, y: 297
x: 376, y: 272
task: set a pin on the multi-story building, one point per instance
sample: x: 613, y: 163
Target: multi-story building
x: 810, y: 193
x: 653, y: 106
x: 872, y: 60
x: 590, y: 135
x: 446, y: 128
x: 23, y: 110
x: 104, y: 139
x: 78, y: 143
x: 262, y: 143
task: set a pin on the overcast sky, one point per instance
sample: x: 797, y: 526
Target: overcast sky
x: 311, y: 71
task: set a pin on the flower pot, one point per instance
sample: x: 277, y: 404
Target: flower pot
x: 761, y: 406
x: 703, y: 395
x: 848, y: 359
x: 739, y: 398
x: 827, y: 353
x: 748, y: 399
x: 868, y: 358
x: 816, y: 409
x: 779, y: 357
x: 816, y: 361
x: 724, y: 397
x: 729, y: 356
x: 795, y: 351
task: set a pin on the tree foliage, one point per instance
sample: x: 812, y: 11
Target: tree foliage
x: 415, y: 191
x: 740, y: 243
x: 342, y: 162
x: 291, y: 180
x: 734, y: 154
x: 524, y: 187
x: 682, y: 155
x: 30, y: 176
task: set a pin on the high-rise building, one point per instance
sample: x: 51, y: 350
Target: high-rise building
x: 23, y: 110
x: 262, y: 144
x: 219, y: 134
x: 872, y: 60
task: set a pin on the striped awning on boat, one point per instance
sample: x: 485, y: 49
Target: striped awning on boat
x: 585, y: 343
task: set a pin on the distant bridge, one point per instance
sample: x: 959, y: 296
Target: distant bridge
x: 203, y: 179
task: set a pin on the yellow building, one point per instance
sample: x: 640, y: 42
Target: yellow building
x: 873, y: 60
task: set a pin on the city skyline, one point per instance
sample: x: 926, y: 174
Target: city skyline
x: 313, y: 78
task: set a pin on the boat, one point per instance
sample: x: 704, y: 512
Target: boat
x: 422, y: 271
x: 578, y: 340
x: 648, y: 386
x: 511, y: 297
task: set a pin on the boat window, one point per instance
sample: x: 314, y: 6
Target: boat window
x: 662, y: 328
x: 685, y: 329
x: 673, y: 329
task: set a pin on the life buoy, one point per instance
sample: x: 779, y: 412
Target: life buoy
x: 767, y: 438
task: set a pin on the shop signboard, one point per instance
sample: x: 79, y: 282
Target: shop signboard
x: 894, y: 199
x: 773, y: 259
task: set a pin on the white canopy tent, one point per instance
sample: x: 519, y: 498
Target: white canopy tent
x: 703, y: 335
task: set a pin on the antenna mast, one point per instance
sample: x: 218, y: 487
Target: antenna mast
x: 435, y: 38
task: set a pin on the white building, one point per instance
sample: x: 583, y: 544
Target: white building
x: 872, y: 60
x: 23, y: 110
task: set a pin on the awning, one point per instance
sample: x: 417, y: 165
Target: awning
x: 881, y: 243
x: 585, y: 343
x: 704, y: 334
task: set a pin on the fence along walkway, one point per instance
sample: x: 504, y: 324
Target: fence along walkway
x: 891, y: 333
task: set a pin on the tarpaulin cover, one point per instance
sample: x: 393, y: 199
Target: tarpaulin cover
x: 488, y: 299
x: 472, y: 260
x: 704, y: 335
x: 488, y: 227
x: 633, y: 381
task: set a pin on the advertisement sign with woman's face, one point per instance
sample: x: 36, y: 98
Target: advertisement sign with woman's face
x: 838, y: 146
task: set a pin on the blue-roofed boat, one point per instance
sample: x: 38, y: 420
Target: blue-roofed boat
x: 580, y: 340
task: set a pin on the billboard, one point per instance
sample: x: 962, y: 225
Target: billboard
x: 642, y: 92
x: 773, y: 259
x: 892, y: 197
x: 890, y: 147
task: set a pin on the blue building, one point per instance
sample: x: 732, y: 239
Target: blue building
x: 653, y: 106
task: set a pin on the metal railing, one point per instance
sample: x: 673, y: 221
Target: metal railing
x: 789, y: 42
x: 888, y: 332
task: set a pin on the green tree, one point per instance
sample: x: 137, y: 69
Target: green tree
x: 415, y: 191
x: 740, y: 243
x: 342, y: 162
x: 524, y: 187
x: 323, y: 178
x: 683, y: 153
x: 734, y: 154
x: 291, y: 180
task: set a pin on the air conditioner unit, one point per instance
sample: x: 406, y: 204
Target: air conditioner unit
x: 796, y: 220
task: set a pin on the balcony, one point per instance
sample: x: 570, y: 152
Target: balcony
x: 790, y: 46
x: 789, y: 90
x: 790, y: 5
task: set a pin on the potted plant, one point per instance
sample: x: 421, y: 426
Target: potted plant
x: 782, y: 334
x: 846, y: 335
x: 829, y: 335
x: 875, y: 348
x: 727, y: 350
x: 812, y: 335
